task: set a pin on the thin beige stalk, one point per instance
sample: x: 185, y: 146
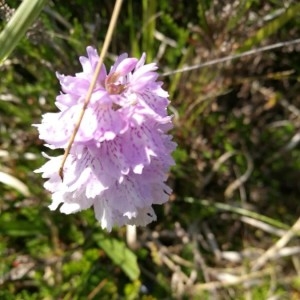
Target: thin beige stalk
x: 233, y: 56
x: 106, y: 44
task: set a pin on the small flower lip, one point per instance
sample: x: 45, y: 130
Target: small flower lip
x: 126, y: 66
x: 115, y: 82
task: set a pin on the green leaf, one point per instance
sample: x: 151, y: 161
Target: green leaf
x: 120, y: 255
x: 17, y: 26
x: 17, y: 228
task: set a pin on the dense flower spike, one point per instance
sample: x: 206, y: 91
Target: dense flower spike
x: 122, y: 152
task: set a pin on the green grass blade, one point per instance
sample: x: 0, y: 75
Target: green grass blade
x: 15, y: 29
x: 239, y: 211
x: 149, y: 21
x: 203, y: 6
x: 271, y: 27
x: 243, y: 7
x: 135, y: 48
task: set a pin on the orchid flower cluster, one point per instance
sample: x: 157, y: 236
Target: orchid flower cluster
x: 121, y: 154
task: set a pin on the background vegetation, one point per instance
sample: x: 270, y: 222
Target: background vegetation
x: 230, y: 229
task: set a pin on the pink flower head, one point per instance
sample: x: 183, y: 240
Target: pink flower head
x: 122, y: 152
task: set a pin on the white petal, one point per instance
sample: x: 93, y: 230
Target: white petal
x: 69, y: 208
